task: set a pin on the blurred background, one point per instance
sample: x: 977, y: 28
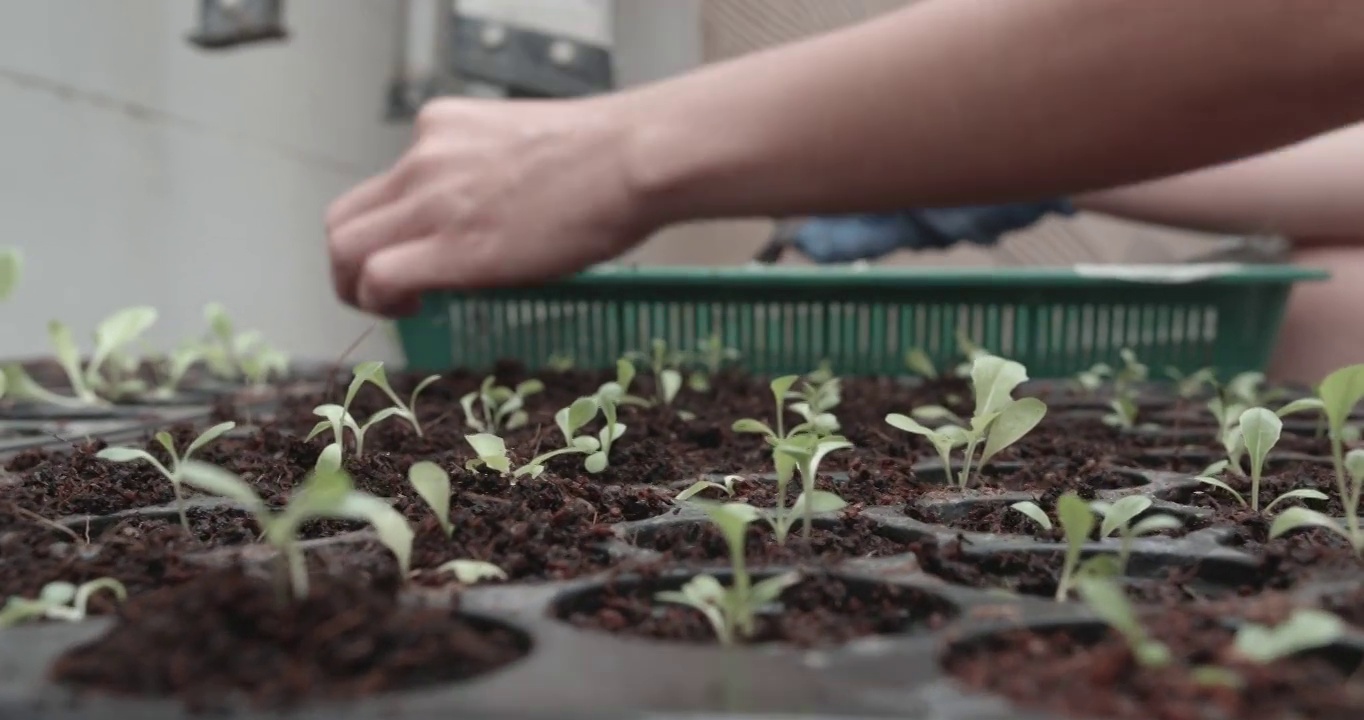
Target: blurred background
x: 178, y: 152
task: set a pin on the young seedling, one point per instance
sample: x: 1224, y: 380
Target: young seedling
x: 619, y: 389
x: 805, y: 451
x: 569, y: 421
x: 999, y: 420
x: 1126, y: 381
x: 1118, y: 518
x: 1077, y: 521
x: 666, y: 366
x: 781, y: 388
x: 236, y: 357
x: 490, y: 451
x: 174, y: 472
x: 58, y: 601
x: 1300, y: 517
x: 1209, y: 477
x: 919, y: 363
x: 433, y: 485
x: 1191, y: 385
x: 700, y: 486
x: 1106, y: 599
x: 969, y: 350
x: 1339, y: 393
x: 712, y: 355
x: 611, y: 431
x: 11, y: 266
x: 90, y: 385
x: 373, y: 372
x: 1091, y: 380
x: 173, y: 369
x: 499, y: 408
x: 338, y: 419
x: 326, y: 493
x: 1306, y: 629
x: 816, y: 401
x: 732, y: 611
x: 560, y: 363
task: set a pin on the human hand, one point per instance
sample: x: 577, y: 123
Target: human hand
x: 490, y: 194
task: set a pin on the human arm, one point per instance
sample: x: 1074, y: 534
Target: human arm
x: 947, y: 103
x: 1313, y: 189
x: 977, y: 101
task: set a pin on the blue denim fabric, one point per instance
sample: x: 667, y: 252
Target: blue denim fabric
x: 846, y: 238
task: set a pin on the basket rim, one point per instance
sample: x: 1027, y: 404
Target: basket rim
x: 861, y: 275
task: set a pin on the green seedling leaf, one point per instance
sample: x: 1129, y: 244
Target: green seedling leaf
x: 472, y: 572
x: 782, y: 385
x: 217, y: 481
x: 1354, y: 464
x: 581, y: 412
x: 329, y: 460
x: 1340, y: 392
x: 529, y: 387
x: 1155, y: 524
x: 994, y: 380
x: 433, y: 486
x: 766, y: 591
x: 752, y: 426
x: 1077, y: 521
x: 1306, y: 629
x: 123, y: 455
x: 819, y: 501
x: 918, y: 361
x: 732, y: 519
x: 1302, y: 405
x: 11, y: 265
x: 389, y: 524
x: 1121, y: 513
x: 727, y: 487
x: 218, y: 322
x: 68, y: 356
x: 671, y: 383
x: 1297, y: 518
x: 625, y: 374
x: 1260, y: 430
x: 704, y: 594
x: 119, y: 330
x: 595, y: 463
x: 934, y: 413
x: 1031, y: 509
x: 1106, y: 599
x: 487, y: 444
x: 209, y: 436
x: 1300, y: 494
x: 1017, y: 419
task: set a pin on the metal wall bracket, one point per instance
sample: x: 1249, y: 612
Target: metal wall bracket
x: 229, y: 23
x: 528, y: 62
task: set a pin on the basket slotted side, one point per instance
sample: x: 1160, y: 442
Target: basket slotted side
x: 863, y: 321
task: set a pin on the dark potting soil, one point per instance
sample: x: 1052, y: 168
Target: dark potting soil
x: 818, y: 611
x: 847, y: 538
x: 227, y: 635
x: 1091, y: 673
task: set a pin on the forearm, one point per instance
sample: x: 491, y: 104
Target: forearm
x: 1311, y: 189
x: 976, y: 101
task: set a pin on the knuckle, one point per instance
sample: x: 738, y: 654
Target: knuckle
x: 433, y: 113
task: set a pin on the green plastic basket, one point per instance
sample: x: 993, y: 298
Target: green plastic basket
x: 863, y: 320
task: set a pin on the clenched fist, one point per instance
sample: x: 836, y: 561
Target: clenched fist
x: 491, y: 194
